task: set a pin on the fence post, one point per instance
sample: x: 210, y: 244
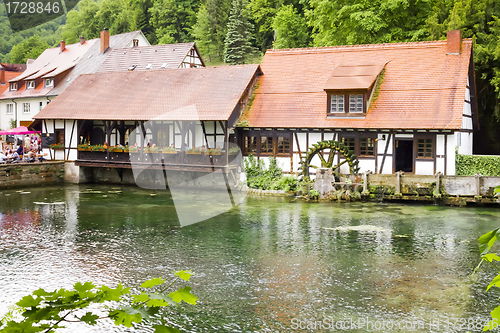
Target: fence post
x: 398, y: 182
x: 478, y: 184
x: 437, y: 191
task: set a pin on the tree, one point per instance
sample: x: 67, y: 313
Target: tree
x: 46, y: 311
x: 29, y: 48
x: 237, y: 46
x: 173, y: 20
x: 204, y: 35
x: 291, y: 28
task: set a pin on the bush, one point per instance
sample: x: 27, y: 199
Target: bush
x: 469, y: 165
x: 267, y: 179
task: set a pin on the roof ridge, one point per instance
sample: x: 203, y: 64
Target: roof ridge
x: 365, y: 46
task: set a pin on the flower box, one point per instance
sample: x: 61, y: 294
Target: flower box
x: 84, y: 149
x: 169, y: 152
x: 193, y: 152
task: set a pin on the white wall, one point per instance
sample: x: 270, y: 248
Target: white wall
x: 450, y: 160
x: 387, y: 168
x: 34, y: 103
x: 424, y: 167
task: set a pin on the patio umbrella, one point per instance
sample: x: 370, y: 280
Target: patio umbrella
x: 17, y: 131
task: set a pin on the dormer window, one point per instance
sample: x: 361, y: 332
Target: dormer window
x: 13, y: 86
x: 348, y: 103
x: 135, y: 42
x: 350, y: 88
x: 49, y: 83
x: 356, y: 103
x: 30, y: 85
x: 337, y: 104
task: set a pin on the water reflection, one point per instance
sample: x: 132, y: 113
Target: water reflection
x: 259, y: 266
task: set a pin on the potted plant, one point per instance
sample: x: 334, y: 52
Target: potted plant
x: 116, y: 149
x: 193, y: 150
x: 98, y: 148
x: 169, y: 150
x: 234, y: 150
x: 84, y: 147
x: 133, y: 149
x: 152, y: 149
x: 57, y: 146
x: 215, y: 151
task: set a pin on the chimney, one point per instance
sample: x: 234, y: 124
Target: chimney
x: 453, y: 42
x: 2, y: 75
x: 62, y: 46
x: 104, y: 40
x: 82, y: 40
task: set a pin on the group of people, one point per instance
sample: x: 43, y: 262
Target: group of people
x: 27, y: 150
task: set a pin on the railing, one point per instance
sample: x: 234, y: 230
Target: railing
x: 166, y: 158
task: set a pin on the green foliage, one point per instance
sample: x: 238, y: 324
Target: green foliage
x: 271, y: 178
x: 291, y: 28
x: 29, y: 48
x: 314, y: 194
x: 469, y: 165
x: 172, y: 20
x: 47, y: 311
x: 237, y: 44
x: 486, y: 243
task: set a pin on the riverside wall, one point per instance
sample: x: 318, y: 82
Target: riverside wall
x: 31, y: 174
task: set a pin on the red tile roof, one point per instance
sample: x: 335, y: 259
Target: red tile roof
x: 8, y: 76
x: 422, y: 88
x: 205, y: 93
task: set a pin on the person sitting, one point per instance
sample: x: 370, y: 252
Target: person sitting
x: 20, y: 151
x: 15, y: 157
x: 31, y: 156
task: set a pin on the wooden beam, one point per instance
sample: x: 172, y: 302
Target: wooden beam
x: 70, y: 138
x: 385, y: 151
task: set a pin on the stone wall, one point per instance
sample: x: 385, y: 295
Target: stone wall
x: 31, y: 174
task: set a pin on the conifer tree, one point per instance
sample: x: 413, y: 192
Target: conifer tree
x: 237, y: 46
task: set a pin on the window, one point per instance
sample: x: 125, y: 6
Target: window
x: 149, y: 66
x: 59, y: 134
x: 337, y: 104
x: 424, y: 148
x: 283, y: 145
x: 26, y: 107
x: 49, y: 83
x: 41, y: 106
x: 356, y: 103
x: 13, y: 86
x: 250, y: 145
x: 10, y: 108
x: 30, y: 85
x: 266, y: 145
x: 135, y: 42
x: 350, y: 143
x: 367, y: 147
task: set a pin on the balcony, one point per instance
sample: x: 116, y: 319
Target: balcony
x: 178, y: 160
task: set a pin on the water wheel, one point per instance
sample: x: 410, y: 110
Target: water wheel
x: 326, y: 151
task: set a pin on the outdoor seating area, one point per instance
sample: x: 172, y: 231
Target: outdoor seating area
x: 22, y: 146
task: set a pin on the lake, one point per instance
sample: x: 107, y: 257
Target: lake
x: 272, y: 264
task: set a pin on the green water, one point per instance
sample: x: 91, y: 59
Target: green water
x: 269, y: 265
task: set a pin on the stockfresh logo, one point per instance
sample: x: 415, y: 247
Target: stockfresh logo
x: 201, y: 173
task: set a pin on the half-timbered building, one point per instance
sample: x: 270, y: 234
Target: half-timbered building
x: 399, y: 107
x: 158, y: 114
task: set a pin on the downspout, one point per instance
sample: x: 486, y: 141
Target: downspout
x: 15, y: 112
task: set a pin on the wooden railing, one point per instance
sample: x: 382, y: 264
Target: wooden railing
x: 166, y: 158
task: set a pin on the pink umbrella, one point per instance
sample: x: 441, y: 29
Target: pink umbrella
x: 17, y: 131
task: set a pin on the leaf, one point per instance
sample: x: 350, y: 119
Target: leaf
x: 123, y: 318
x: 90, y: 318
x: 28, y: 301
x: 110, y: 294
x: 84, y: 289
x: 153, y: 282
x: 24, y: 327
x: 494, y: 282
x: 156, y: 303
x: 491, y: 256
x: 487, y: 240
x: 165, y: 329
x: 143, y: 297
x: 183, y: 294
x: 185, y: 275
x: 493, y: 324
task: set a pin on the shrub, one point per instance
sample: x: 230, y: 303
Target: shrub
x: 469, y: 165
x: 260, y: 177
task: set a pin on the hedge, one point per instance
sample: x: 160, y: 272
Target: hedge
x: 469, y: 165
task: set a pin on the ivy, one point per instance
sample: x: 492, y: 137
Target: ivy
x: 469, y: 165
x: 46, y: 311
